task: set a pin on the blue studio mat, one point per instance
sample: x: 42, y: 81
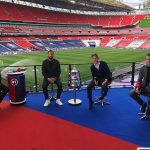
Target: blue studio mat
x: 119, y: 119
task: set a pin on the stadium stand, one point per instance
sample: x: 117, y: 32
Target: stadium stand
x: 30, y: 14
x: 123, y: 43
x: 59, y: 44
x: 12, y: 46
x: 135, y: 44
x: 27, y: 45
x: 9, y: 47
x: 47, y: 30
x: 112, y: 42
x: 146, y: 45
x: 104, y: 41
x: 40, y: 29
x: 4, y: 50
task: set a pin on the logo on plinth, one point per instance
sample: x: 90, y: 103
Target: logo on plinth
x: 14, y: 82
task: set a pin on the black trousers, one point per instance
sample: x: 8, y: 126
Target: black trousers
x: 3, y: 92
x: 144, y: 91
x: 45, y: 88
x: 91, y: 85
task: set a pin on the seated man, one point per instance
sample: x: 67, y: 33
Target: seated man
x: 51, y: 72
x: 143, y: 87
x: 101, y: 77
x: 3, y: 90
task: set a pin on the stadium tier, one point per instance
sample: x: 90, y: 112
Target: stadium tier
x: 3, y: 49
x: 39, y: 30
x: 26, y: 45
x: 59, y: 44
x: 38, y: 45
x: 21, y: 13
x: 146, y: 45
x: 11, y: 46
x: 122, y: 43
x: 15, y: 45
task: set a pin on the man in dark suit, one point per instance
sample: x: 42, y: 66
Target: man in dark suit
x: 51, y: 72
x: 101, y: 77
x: 3, y: 90
x: 143, y: 87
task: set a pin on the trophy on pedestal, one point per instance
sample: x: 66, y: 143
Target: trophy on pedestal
x: 74, y: 83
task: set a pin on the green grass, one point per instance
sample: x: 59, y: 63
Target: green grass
x: 78, y: 56
x: 145, y: 23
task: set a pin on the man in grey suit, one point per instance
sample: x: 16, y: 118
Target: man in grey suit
x: 143, y: 87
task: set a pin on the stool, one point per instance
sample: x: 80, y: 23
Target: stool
x: 144, y: 114
x: 52, y: 93
x: 102, y: 102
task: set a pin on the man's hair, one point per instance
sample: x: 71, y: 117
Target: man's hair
x: 94, y: 55
x: 148, y: 54
x: 50, y: 51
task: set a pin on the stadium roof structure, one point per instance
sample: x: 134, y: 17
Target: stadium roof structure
x: 147, y: 4
x: 85, y: 5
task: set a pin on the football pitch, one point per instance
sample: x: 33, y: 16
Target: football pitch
x: 76, y: 56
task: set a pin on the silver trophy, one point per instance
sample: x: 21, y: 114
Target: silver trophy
x: 74, y: 84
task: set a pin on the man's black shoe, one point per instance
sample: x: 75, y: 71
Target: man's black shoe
x: 143, y: 108
x: 91, y: 105
x: 100, y: 98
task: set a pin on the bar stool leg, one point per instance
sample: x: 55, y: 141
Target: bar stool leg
x: 103, y: 102
x: 52, y: 93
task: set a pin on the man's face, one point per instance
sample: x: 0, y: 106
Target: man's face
x: 50, y: 55
x: 94, y: 59
x: 147, y: 60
